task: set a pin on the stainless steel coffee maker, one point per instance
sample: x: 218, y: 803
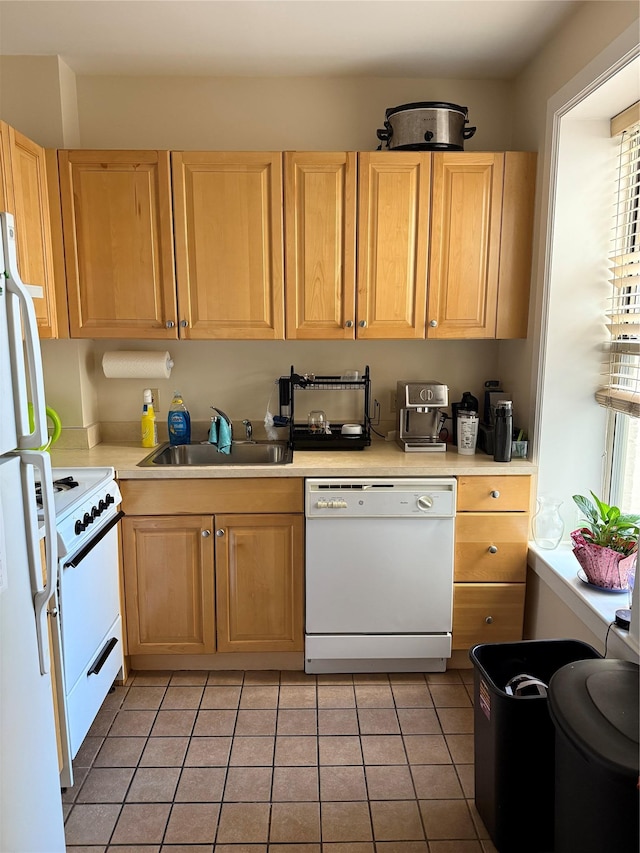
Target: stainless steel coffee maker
x: 419, y: 417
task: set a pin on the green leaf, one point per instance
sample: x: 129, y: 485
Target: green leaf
x: 587, y: 508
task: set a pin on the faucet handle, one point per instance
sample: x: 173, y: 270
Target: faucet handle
x: 248, y: 428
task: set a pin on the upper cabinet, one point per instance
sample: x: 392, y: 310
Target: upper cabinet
x: 229, y: 249
x: 393, y: 242
x: 390, y: 227
x: 481, y: 231
x: 320, y: 240
x: 23, y: 192
x: 118, y: 242
x: 373, y: 245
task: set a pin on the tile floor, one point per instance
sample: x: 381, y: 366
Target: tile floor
x: 279, y: 762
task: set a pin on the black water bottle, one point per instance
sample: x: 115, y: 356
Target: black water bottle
x: 503, y: 431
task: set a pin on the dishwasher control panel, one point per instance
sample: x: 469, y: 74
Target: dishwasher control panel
x: 380, y: 497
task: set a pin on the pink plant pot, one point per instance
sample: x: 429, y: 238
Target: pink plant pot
x: 603, y: 567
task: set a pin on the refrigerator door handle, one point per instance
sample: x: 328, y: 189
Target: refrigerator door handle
x: 42, y: 591
x: 21, y: 313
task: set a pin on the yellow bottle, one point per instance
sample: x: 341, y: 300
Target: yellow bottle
x: 148, y: 422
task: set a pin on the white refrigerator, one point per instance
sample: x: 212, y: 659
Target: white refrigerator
x: 31, y: 818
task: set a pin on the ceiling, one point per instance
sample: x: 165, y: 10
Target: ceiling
x: 302, y: 38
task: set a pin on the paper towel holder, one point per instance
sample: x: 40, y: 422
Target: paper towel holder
x: 137, y: 364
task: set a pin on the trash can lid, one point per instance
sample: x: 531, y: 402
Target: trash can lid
x: 595, y: 704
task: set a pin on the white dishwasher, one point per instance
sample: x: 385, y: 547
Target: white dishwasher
x: 379, y: 574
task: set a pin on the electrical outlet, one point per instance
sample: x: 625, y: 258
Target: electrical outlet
x: 155, y: 399
x: 393, y: 402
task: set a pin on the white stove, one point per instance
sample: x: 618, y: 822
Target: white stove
x: 88, y: 635
x: 85, y: 499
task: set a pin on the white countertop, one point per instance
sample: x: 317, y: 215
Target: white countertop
x: 381, y: 459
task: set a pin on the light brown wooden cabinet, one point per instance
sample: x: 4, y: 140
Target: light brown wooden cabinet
x: 118, y: 244
x: 481, y: 241
x: 329, y: 295
x: 376, y: 247
x: 492, y: 531
x: 320, y: 245
x: 229, y: 250
x: 200, y: 580
x: 168, y: 584
x: 259, y: 582
x: 24, y: 193
x: 393, y: 244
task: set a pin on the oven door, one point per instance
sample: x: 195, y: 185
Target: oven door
x: 90, y: 632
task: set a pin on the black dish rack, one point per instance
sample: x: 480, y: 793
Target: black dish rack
x: 300, y: 436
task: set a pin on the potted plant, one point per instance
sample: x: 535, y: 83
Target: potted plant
x: 606, y: 546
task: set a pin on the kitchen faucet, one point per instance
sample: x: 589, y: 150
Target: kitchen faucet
x: 248, y: 429
x: 227, y: 420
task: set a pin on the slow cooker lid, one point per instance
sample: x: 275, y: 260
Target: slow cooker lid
x: 427, y: 105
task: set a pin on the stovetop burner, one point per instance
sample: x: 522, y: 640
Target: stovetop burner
x: 61, y: 485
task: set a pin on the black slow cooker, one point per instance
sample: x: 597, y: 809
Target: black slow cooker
x: 425, y: 126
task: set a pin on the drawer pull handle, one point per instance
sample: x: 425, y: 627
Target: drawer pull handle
x: 348, y: 324
x: 493, y: 549
x: 102, y: 659
x: 206, y: 533
x: 489, y: 620
x: 220, y: 532
x: 495, y: 493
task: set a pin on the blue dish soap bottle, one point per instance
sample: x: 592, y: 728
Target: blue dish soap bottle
x: 179, y: 421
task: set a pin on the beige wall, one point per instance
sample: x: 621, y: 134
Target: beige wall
x: 273, y: 113
x: 37, y: 96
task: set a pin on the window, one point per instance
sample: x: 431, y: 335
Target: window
x: 621, y: 391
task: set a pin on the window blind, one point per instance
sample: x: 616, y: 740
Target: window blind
x: 621, y: 387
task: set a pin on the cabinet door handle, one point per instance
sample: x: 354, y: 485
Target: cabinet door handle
x: 184, y: 323
x: 433, y: 323
x: 495, y: 493
x: 363, y: 324
x: 493, y: 549
x: 206, y: 533
x: 170, y: 324
x: 348, y: 324
x: 219, y: 532
x: 489, y: 620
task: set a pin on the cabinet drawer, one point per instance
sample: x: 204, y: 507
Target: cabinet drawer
x: 491, y: 547
x: 209, y: 496
x: 487, y: 613
x: 494, y: 494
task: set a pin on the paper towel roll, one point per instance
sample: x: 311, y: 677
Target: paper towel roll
x: 137, y: 365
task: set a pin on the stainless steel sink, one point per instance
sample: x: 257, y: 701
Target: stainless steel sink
x: 242, y: 453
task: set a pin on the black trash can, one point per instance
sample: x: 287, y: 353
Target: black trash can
x: 514, y: 739
x: 594, y: 707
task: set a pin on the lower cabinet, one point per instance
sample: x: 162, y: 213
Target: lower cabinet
x: 259, y: 583
x: 487, y: 613
x: 492, y: 531
x: 168, y: 584
x: 214, y: 582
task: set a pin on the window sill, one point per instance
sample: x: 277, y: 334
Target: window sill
x: 595, y: 609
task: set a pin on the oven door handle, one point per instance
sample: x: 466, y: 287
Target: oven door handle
x: 88, y: 548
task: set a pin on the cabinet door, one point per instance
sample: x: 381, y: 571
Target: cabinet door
x: 168, y: 578
x: 393, y: 238
x: 487, y: 613
x: 516, y: 244
x: 118, y: 241
x: 320, y: 222
x: 259, y: 586
x: 229, y: 252
x: 465, y: 245
x: 27, y: 198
